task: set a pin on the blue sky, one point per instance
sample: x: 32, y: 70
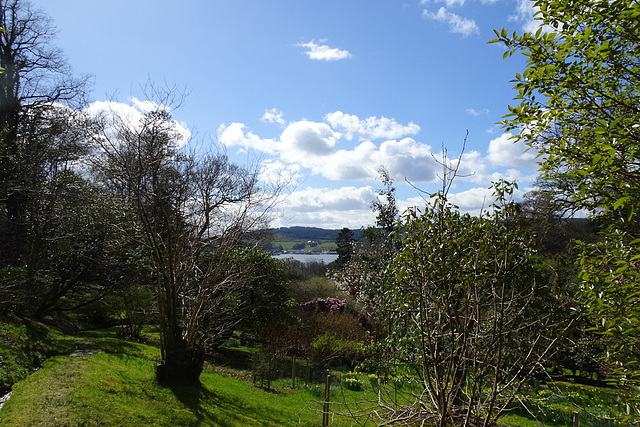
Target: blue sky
x: 323, y: 92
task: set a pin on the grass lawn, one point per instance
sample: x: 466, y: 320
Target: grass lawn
x: 117, y: 387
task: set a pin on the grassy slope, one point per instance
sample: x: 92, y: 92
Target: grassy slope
x: 24, y: 344
x: 287, y: 245
x: 115, y: 389
x: 118, y: 387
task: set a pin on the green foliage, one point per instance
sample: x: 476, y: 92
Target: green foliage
x: 556, y: 404
x: 352, y: 382
x: 264, y: 298
x: 315, y: 287
x: 24, y: 346
x: 579, y: 107
x: 299, y: 246
x: 610, y: 288
x: 344, y: 244
x: 579, y: 99
x: 459, y: 309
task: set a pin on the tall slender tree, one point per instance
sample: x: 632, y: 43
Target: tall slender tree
x: 35, y: 83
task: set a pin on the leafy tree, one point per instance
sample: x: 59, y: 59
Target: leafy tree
x: 56, y: 236
x: 344, y: 243
x: 80, y: 246
x: 260, y: 298
x: 460, y: 312
x: 385, y: 205
x: 579, y: 106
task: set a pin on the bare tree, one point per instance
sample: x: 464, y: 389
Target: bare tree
x: 36, y: 77
x: 191, y: 211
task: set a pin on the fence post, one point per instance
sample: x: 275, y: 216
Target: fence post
x: 325, y: 407
x: 253, y: 367
x: 293, y: 372
x: 574, y: 419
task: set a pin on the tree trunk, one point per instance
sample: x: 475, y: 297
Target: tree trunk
x: 181, y: 364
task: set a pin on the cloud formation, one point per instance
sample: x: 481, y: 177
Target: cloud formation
x: 329, y: 207
x: 369, y: 128
x: 273, y: 115
x: 505, y: 151
x: 316, y: 146
x: 323, y: 149
x: 457, y: 24
x: 326, y: 149
x: 322, y: 52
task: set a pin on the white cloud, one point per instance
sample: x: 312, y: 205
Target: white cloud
x: 505, y: 151
x: 525, y: 14
x: 314, y: 146
x: 273, y: 115
x: 146, y: 106
x: 274, y: 172
x: 351, y: 206
x: 307, y: 138
x: 358, y: 164
x: 371, y: 127
x: 504, y: 159
x: 323, y: 52
x: 457, y: 24
x: 408, y: 159
x: 475, y: 113
x: 235, y: 136
x: 329, y: 208
x: 341, y: 199
x: 449, y: 3
x: 472, y: 201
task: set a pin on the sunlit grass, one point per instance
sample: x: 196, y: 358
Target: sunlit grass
x: 117, y: 386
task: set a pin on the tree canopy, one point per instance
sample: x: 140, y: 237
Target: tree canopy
x: 579, y: 107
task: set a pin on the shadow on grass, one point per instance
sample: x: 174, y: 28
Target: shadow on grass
x: 231, y: 358
x: 213, y: 407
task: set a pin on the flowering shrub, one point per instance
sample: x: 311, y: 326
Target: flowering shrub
x: 353, y: 384
x: 324, y: 305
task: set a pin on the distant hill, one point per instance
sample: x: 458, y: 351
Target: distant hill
x: 311, y: 233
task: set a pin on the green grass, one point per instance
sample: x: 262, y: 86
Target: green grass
x: 556, y: 403
x: 24, y: 345
x: 117, y: 387
x: 287, y: 245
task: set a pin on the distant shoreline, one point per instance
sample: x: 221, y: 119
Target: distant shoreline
x: 302, y: 256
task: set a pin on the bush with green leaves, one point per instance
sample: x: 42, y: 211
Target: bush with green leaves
x: 463, y: 312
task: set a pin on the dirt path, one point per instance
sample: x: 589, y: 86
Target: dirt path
x: 80, y: 353
x: 3, y: 399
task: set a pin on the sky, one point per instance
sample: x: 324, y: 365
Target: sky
x: 321, y: 92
